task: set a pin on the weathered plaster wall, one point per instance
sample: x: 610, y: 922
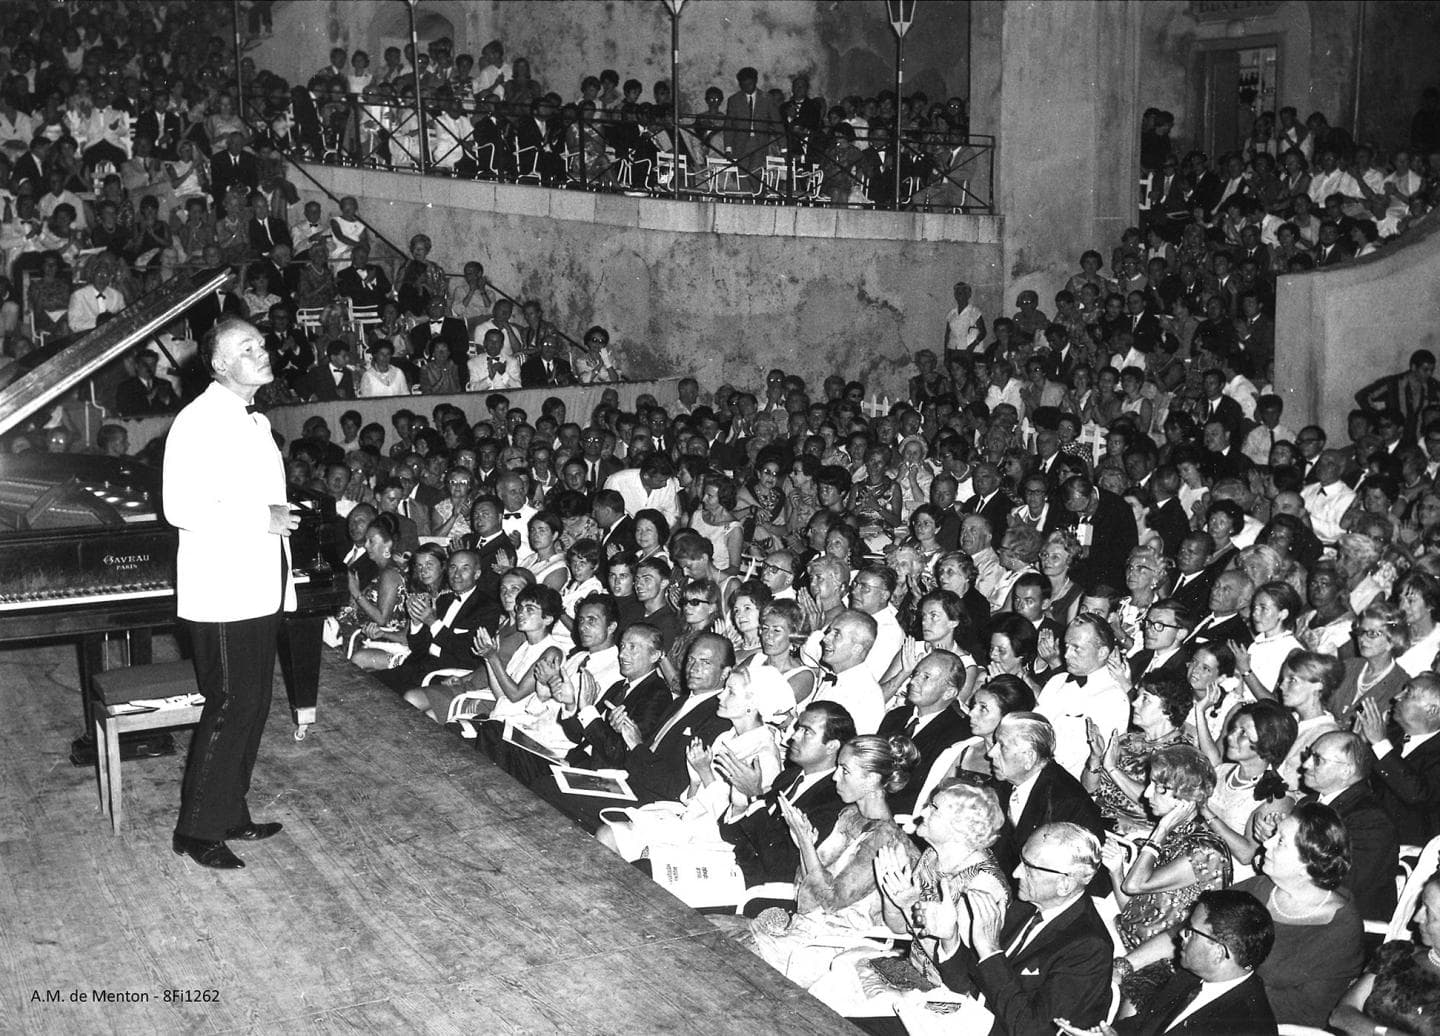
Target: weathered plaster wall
x: 846, y: 45
x: 1397, y: 62
x: 1338, y: 329
x: 724, y: 292
x: 1065, y: 78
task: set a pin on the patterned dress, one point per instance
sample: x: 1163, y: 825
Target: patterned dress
x: 1151, y: 912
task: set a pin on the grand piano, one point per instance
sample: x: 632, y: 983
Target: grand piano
x: 85, y: 553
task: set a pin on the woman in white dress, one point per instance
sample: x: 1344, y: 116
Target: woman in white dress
x: 383, y: 379
x: 546, y: 558
x: 347, y: 230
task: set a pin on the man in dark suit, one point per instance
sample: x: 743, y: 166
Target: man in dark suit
x: 364, y: 283
x: 329, y: 381
x: 751, y: 123
x: 1048, y: 955
x: 657, y: 766
x: 283, y: 275
x: 989, y: 501
x: 539, y: 141
x: 642, y: 696
x: 1144, y: 326
x: 164, y: 128
x: 1192, y: 581
x: 1105, y: 526
x: 1404, y: 395
x: 547, y: 369
x: 764, y: 848
x: 1229, y: 603
x: 292, y: 353
x: 1407, y: 767
x: 1215, y: 989
x: 488, y: 537
x: 1034, y: 790
x: 1168, y: 517
x: 1164, y: 628
x: 207, y: 310
x: 145, y: 393
x: 442, y: 632
x: 1337, y: 771
x: 1216, y: 406
x: 617, y: 529
x: 231, y: 166
x: 598, y: 465
x: 448, y: 329
x: 265, y: 230
x: 928, y: 718
x: 31, y: 166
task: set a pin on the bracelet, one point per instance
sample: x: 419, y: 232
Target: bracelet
x: 1126, y: 969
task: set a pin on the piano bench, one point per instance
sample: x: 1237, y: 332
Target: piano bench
x: 111, y: 694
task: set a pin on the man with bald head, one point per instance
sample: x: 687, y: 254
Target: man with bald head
x: 844, y: 643
x: 232, y: 581
x: 1229, y: 603
x: 1407, y: 765
x: 1328, y: 498
x: 928, y: 717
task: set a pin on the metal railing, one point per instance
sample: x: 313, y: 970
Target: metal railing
x: 718, y: 159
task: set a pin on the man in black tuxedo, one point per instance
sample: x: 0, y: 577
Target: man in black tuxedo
x: 547, y: 369
x: 1144, y: 326
x: 599, y: 465
x: 31, y: 166
x: 164, y: 128
x: 764, y: 848
x: 231, y: 166
x: 207, y: 310
x: 1048, y: 955
x: 1105, y: 526
x: 617, y: 529
x: 1407, y: 767
x: 1034, y: 790
x: 1337, y: 771
x: 657, y: 765
x: 364, y: 283
x: 330, y: 381
x: 1215, y: 989
x: 448, y: 329
x: 145, y: 393
x: 928, y: 718
x: 989, y: 501
x: 442, y: 631
x: 1217, y: 406
x: 487, y: 539
x: 1229, y: 602
x: 283, y: 275
x: 642, y: 696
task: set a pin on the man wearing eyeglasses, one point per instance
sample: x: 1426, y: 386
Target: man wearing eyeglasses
x: 1164, y: 628
x: 1048, y: 955
x: 777, y: 571
x: 1215, y: 988
x: 1336, y: 769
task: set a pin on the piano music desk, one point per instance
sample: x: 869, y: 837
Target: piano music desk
x: 115, y: 688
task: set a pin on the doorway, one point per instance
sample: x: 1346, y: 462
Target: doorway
x: 1239, y: 80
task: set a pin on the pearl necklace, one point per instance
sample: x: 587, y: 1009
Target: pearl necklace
x: 1276, y: 908
x: 1433, y: 959
x: 1360, y: 677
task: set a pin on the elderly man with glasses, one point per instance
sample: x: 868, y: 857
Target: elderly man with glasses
x: 1048, y: 955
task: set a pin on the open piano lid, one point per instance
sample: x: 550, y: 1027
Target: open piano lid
x: 76, y: 360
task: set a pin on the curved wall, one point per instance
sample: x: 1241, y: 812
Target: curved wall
x: 1339, y: 329
x: 720, y: 291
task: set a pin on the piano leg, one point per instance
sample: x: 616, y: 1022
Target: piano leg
x: 300, y: 665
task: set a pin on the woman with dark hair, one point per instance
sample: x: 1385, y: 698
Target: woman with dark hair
x: 941, y: 617
x: 1208, y: 673
x: 760, y: 504
x: 1375, y: 676
x: 1117, y: 770
x: 1418, y: 597
x: 1013, y: 640
x: 1400, y: 990
x: 1178, y: 860
x: 1295, y: 542
x: 1274, y: 611
x: 379, y: 605
x: 837, y: 897
x: 420, y: 278
x: 1248, y: 789
x: 715, y: 520
x: 652, y: 532
x: 1319, y: 935
x: 925, y: 523
x: 545, y: 559
x: 997, y: 698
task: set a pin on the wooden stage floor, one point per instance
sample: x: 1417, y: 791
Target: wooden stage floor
x: 414, y: 888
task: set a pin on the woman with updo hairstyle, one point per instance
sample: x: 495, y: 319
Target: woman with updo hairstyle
x: 1275, y: 611
x: 837, y: 897
x: 421, y: 279
x: 1249, y: 795
x: 1180, y: 858
x: 1118, y: 767
x: 1418, y: 596
x: 1059, y: 554
x: 942, y: 623
x: 379, y: 605
x: 782, y: 626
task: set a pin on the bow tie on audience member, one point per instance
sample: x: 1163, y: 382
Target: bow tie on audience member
x: 251, y: 408
x: 1079, y: 681
x: 436, y: 325
x: 509, y: 515
x: 497, y: 367
x: 828, y: 679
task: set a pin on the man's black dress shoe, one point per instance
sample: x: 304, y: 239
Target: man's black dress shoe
x: 206, y: 854
x: 253, y: 832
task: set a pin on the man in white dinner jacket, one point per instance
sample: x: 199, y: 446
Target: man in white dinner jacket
x: 231, y: 582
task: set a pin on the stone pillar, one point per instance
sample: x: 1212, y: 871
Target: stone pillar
x: 1068, y: 126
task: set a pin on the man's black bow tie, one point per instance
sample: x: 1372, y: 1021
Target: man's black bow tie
x: 512, y: 514
x: 1079, y: 681
x: 251, y: 408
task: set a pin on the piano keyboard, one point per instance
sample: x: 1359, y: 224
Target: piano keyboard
x: 69, y: 599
